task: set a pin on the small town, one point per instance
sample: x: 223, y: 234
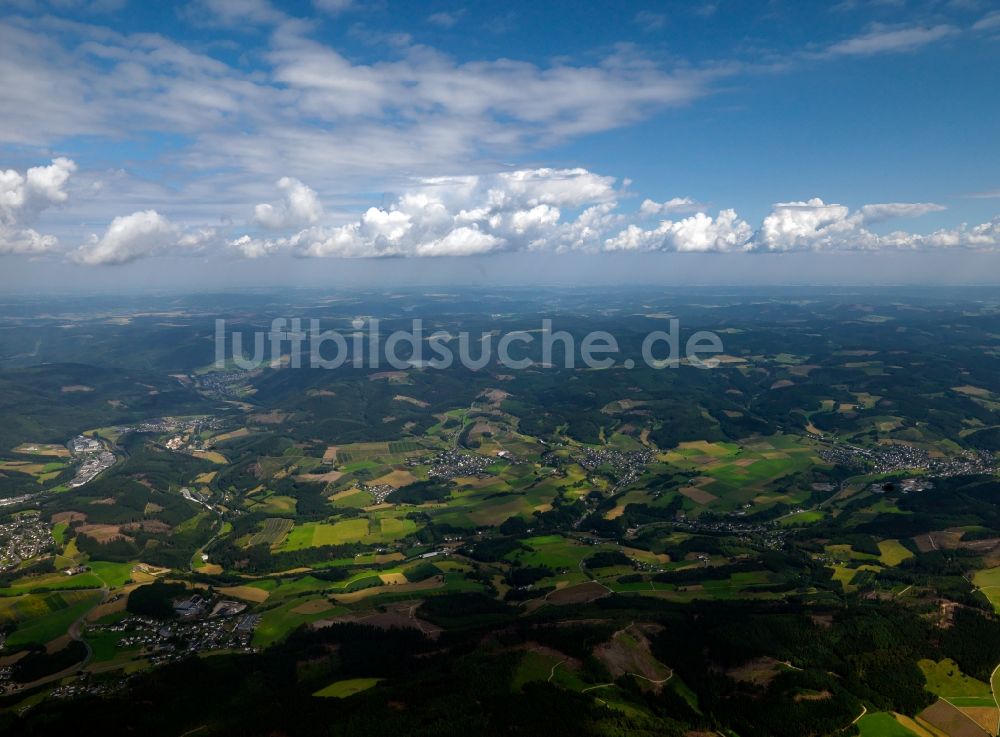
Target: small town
x: 25, y: 537
x: 625, y: 466
x: 194, y: 633
x: 451, y: 464
x: 895, y: 457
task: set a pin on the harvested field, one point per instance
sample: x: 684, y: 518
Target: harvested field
x: 145, y: 573
x: 972, y: 391
x: 356, y: 596
x: 392, y: 579
x: 43, y: 449
x: 210, y: 455
x: 320, y: 478
x: 242, y: 432
x: 984, y: 716
x: 615, y: 513
x: 411, y: 400
x: 68, y: 517
x: 111, y: 607
x: 102, y: 533
x: 579, y: 594
x: 247, y: 593
x: 396, y: 478
x: 698, y: 495
x: 399, y: 614
x: 313, y: 606
x: 951, y: 721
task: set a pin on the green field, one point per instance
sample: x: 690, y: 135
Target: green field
x: 946, y: 680
x: 893, y: 553
x: 554, y: 551
x: 988, y: 581
x: 59, y: 533
x: 41, y: 619
x: 53, y: 581
x: 806, y: 517
x: 374, y: 530
x: 882, y: 724
x: 349, y: 687
x: 278, y: 621
x: 113, y: 575
x: 321, y: 533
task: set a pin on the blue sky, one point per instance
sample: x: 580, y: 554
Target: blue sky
x: 146, y: 137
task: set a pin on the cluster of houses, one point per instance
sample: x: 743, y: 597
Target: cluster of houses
x: 22, y: 538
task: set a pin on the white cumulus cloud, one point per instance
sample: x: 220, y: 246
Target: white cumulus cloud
x: 23, y: 197
x: 141, y: 234
x: 699, y: 232
x: 815, y: 225
x: 465, y: 215
x: 299, y: 207
x: 674, y: 204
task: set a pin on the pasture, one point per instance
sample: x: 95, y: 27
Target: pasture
x: 278, y: 621
x: 377, y: 528
x: 349, y: 687
x: 892, y: 552
x: 883, y: 724
x: 988, y: 581
x: 945, y: 679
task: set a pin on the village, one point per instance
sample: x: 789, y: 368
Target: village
x: 894, y: 457
x: 25, y: 537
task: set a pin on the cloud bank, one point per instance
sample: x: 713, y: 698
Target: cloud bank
x: 567, y: 210
x: 545, y: 209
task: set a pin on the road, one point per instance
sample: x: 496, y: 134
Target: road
x: 864, y: 710
x: 996, y: 699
